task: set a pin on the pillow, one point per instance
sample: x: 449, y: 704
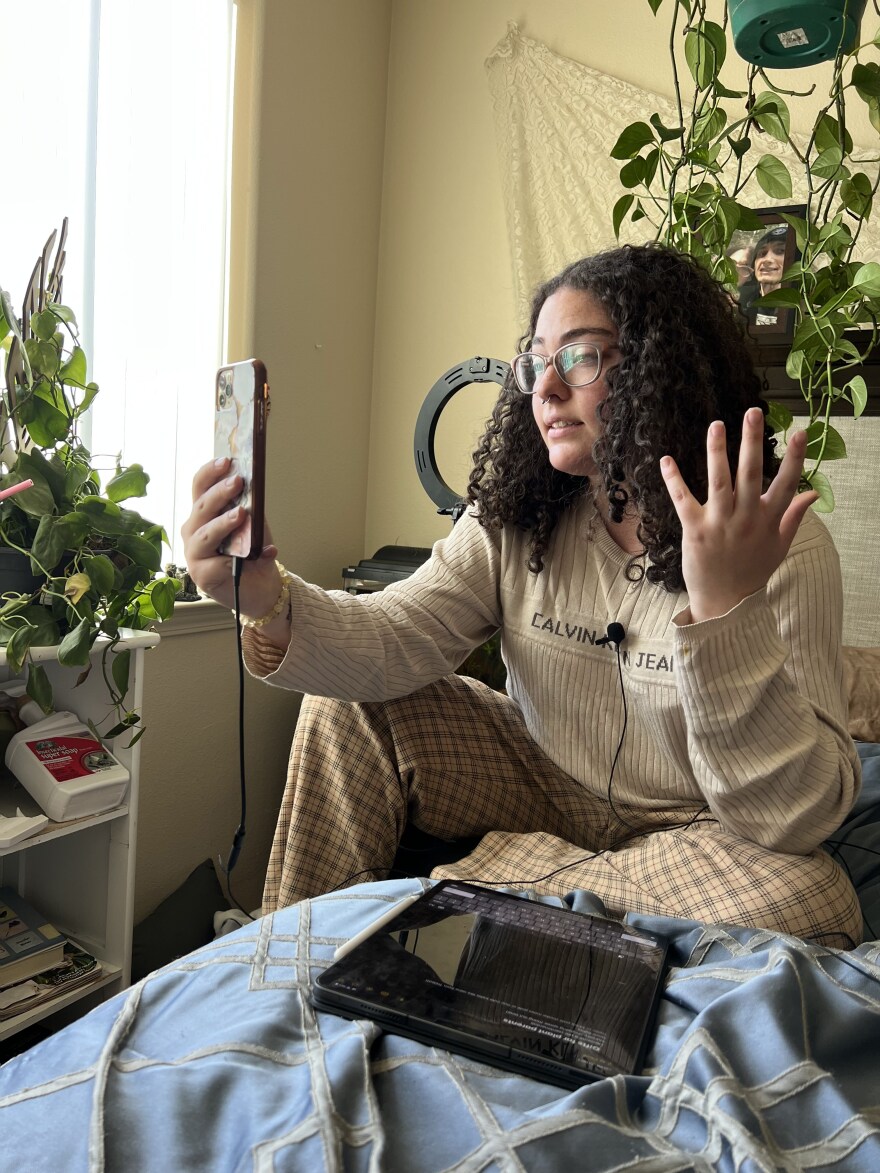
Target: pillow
x: 861, y: 668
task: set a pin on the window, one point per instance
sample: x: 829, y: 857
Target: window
x: 117, y: 116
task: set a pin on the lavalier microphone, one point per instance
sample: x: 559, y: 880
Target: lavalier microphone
x: 615, y: 634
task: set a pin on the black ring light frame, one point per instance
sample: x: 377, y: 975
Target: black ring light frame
x: 472, y: 370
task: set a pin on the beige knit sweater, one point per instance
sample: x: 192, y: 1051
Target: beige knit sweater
x: 745, y: 713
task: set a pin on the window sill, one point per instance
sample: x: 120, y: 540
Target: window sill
x: 191, y: 618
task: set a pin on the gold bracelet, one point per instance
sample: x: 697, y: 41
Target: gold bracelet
x: 283, y: 598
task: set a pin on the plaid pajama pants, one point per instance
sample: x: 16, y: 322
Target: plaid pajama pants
x: 456, y: 760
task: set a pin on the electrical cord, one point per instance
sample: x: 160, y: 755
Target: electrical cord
x: 238, y: 838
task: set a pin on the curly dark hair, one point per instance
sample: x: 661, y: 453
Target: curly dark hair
x: 684, y: 362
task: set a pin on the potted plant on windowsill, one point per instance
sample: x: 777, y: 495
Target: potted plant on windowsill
x: 687, y: 182
x: 94, y: 562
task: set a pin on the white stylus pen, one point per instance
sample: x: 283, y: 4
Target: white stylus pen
x: 347, y: 946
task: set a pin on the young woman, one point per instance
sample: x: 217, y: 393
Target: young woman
x: 673, y: 734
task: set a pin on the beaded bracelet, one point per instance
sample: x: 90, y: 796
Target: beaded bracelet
x: 280, y: 602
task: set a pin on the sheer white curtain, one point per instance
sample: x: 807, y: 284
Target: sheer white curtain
x: 117, y: 115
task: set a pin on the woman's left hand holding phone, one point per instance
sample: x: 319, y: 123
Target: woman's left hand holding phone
x: 213, y: 519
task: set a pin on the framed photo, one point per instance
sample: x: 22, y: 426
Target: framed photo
x: 761, y: 257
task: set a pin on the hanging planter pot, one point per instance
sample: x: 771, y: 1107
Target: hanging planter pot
x: 16, y: 573
x: 790, y: 34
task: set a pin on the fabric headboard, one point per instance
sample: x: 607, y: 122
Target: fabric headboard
x: 862, y: 676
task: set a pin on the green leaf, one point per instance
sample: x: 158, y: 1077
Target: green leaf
x: 796, y: 364
x: 91, y: 391
x: 867, y: 279
x: 33, y: 502
x: 120, y: 671
x: 818, y: 433
x: 828, y: 135
x: 709, y: 125
x: 55, y: 535
x: 717, y: 38
x: 800, y: 226
x: 74, y: 370
x: 827, y: 164
x: 779, y: 418
x: 856, y: 391
x: 140, y: 551
x: 63, y: 312
x: 9, y: 315
x: 652, y: 160
x: 739, y: 146
x: 704, y: 53
x: 162, y: 594
x: 75, y: 647
x: 846, y: 350
x: 822, y: 485
x: 43, y: 325
x: 785, y: 297
x: 866, y: 79
x: 35, y: 466
x: 721, y: 91
x: 104, y: 516
x: 631, y: 140
x: 749, y: 220
x: 772, y: 174
x: 17, y: 647
x: 127, y: 722
x: 128, y: 482
x: 664, y: 133
x: 44, y: 357
x: 38, y: 620
x: 856, y: 195
x: 633, y: 172
x: 45, y: 423
x: 771, y: 114
x: 621, y: 208
x: 39, y: 688
x: 102, y: 572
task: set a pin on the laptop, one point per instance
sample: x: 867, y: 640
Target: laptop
x: 561, y: 996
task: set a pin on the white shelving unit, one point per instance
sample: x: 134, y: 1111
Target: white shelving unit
x: 80, y: 873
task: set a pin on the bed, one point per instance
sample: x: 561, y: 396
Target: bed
x: 766, y: 1056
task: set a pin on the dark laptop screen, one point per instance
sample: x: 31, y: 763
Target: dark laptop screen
x: 509, y: 978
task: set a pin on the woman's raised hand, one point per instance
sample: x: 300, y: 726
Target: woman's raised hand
x: 214, y: 518
x: 732, y: 545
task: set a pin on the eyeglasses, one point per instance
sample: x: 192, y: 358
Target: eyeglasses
x: 577, y: 364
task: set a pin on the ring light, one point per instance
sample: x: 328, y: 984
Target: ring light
x: 472, y: 370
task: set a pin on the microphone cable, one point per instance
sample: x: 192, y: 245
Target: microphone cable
x: 616, y: 635
x: 238, y: 838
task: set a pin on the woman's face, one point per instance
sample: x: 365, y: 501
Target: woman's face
x: 566, y: 416
x: 769, y: 265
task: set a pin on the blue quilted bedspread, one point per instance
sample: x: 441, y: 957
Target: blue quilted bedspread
x: 766, y: 1056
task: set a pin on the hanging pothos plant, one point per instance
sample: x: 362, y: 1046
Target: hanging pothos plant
x: 95, y: 562
x: 686, y: 181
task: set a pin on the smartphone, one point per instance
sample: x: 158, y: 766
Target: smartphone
x: 241, y: 409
